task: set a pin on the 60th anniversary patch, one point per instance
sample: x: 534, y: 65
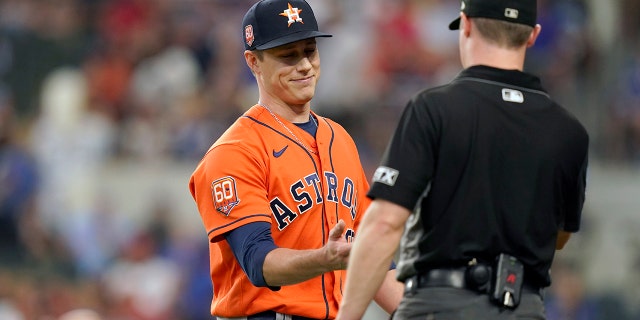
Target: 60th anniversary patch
x: 225, y: 195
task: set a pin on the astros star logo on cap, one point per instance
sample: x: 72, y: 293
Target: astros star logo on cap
x: 264, y: 27
x: 293, y: 14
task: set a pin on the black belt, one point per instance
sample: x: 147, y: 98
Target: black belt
x: 452, y: 278
x: 271, y: 315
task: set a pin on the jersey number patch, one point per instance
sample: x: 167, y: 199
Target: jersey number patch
x: 225, y: 196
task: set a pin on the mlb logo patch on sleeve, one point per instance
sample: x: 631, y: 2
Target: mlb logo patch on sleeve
x: 225, y: 195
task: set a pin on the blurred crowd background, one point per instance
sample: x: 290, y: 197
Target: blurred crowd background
x: 106, y: 106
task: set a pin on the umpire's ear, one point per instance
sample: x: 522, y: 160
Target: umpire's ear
x: 465, y: 24
x: 534, y: 35
x: 252, y: 57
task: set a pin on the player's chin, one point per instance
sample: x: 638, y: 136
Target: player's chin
x: 304, y: 95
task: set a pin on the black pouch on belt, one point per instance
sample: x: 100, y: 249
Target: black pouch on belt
x: 506, y: 282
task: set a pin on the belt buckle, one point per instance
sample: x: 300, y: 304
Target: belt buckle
x: 411, y: 284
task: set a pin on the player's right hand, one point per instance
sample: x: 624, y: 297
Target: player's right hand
x: 337, y: 248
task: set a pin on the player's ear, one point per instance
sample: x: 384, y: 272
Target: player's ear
x: 251, y: 58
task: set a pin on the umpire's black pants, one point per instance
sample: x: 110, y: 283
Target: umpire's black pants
x: 437, y: 303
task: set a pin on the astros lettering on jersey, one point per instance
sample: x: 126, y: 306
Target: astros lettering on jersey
x: 259, y: 171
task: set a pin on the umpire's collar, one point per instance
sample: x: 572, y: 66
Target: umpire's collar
x: 512, y: 77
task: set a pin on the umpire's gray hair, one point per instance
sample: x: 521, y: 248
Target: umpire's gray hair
x: 505, y: 34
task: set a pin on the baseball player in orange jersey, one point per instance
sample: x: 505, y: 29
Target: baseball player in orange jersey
x: 282, y: 191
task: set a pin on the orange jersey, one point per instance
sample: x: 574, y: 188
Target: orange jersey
x: 260, y: 171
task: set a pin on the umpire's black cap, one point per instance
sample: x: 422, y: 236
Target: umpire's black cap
x: 272, y: 23
x: 517, y: 11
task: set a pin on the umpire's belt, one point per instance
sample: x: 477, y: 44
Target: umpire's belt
x: 452, y: 278
x: 268, y: 315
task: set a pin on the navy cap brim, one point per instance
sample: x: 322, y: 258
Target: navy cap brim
x: 302, y: 35
x: 455, y: 24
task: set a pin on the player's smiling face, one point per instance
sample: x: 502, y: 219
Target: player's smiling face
x: 290, y: 72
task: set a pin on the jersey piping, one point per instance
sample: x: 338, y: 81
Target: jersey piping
x: 238, y: 220
x: 503, y: 84
x: 323, y: 209
x: 284, y: 135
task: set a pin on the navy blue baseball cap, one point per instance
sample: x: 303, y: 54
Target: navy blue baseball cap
x: 516, y: 11
x: 272, y: 23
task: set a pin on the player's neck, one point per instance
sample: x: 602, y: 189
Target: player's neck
x: 291, y: 113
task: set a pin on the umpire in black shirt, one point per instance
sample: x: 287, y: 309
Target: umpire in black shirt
x: 482, y: 181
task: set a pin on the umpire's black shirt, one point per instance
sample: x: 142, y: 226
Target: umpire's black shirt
x: 490, y: 164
